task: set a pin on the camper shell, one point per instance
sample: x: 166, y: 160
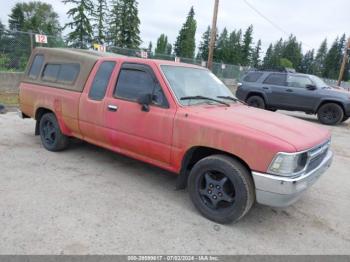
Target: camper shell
x: 62, y: 68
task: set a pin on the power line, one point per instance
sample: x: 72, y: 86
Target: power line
x: 272, y: 22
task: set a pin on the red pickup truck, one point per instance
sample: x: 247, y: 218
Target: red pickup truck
x: 178, y: 117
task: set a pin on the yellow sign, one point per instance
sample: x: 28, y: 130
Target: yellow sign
x: 100, y: 48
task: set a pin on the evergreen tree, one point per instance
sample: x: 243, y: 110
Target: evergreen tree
x: 82, y: 33
x: 235, y: 47
x: 256, y: 55
x: 185, y: 44
x: 125, y: 23
x: 247, y: 46
x: 277, y: 54
x: 268, y: 59
x: 150, y: 47
x: 16, y: 18
x: 3, y: 37
x: 203, y: 49
x: 307, y: 65
x: 162, y: 45
x: 333, y: 59
x: 2, y: 28
x: 292, y: 51
x: 320, y: 58
x: 223, y: 51
x: 35, y: 16
x: 169, y: 49
x: 100, y: 25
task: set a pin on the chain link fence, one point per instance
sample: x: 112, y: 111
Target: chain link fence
x: 16, y: 46
x: 223, y: 71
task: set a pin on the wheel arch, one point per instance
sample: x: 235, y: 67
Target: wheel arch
x: 195, y: 154
x: 328, y: 101
x: 38, y: 115
x: 256, y: 93
x: 40, y: 111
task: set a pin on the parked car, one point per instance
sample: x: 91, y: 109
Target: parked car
x: 295, y: 92
x: 178, y: 117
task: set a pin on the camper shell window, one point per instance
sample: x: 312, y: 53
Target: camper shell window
x: 61, y: 73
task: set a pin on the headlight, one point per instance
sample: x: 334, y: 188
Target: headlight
x: 285, y: 164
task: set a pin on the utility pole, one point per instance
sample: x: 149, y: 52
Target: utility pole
x: 345, y: 60
x: 213, y: 35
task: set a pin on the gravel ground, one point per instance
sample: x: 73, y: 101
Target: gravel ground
x: 87, y: 200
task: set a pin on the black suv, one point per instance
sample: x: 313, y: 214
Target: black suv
x: 295, y: 92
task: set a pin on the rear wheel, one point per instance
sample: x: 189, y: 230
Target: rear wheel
x: 256, y: 101
x: 221, y: 188
x: 51, y: 135
x: 330, y: 114
x: 345, y: 118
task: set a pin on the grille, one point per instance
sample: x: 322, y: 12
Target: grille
x: 317, y: 155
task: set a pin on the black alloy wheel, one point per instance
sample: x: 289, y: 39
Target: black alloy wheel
x: 216, y: 190
x: 256, y: 101
x: 51, y: 136
x: 221, y: 188
x: 48, y: 132
x: 330, y: 114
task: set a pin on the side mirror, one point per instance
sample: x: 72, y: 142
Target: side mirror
x: 145, y: 100
x: 311, y: 87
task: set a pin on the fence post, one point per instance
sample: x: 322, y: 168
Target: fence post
x: 31, y: 40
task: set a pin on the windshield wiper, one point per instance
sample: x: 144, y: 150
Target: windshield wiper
x: 204, y: 98
x: 232, y: 99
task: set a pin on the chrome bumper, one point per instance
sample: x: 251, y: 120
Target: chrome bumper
x: 280, y: 191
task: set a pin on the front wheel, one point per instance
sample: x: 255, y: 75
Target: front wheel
x: 330, y: 114
x: 256, y: 101
x: 221, y: 188
x: 51, y: 135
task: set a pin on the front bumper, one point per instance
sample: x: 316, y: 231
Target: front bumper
x: 280, y: 191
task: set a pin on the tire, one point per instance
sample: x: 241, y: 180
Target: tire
x: 220, y: 201
x: 345, y: 118
x: 330, y: 114
x: 256, y: 101
x: 51, y: 135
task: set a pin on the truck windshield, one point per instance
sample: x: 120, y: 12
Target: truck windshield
x: 194, y: 82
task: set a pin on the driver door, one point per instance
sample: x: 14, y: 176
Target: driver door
x: 146, y: 135
x: 300, y: 97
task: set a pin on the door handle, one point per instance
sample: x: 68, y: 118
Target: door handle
x: 112, y: 108
x: 289, y: 90
x: 265, y: 88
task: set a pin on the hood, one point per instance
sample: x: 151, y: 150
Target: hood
x: 300, y: 134
x: 341, y: 93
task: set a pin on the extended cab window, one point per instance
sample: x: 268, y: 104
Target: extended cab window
x: 36, y: 66
x: 252, y: 77
x: 101, y: 80
x: 61, y: 73
x: 298, y: 81
x: 276, y: 79
x: 135, y: 80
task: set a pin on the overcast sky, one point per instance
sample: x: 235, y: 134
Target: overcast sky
x: 310, y: 20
